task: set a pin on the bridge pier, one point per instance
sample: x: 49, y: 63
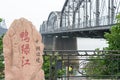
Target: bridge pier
x: 66, y: 43
x: 48, y: 42
x: 60, y: 43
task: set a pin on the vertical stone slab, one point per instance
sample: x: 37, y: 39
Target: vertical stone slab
x: 23, y: 51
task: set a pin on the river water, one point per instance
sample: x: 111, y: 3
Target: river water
x: 91, y: 43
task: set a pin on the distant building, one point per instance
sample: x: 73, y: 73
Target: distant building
x: 3, y: 24
x: 3, y: 27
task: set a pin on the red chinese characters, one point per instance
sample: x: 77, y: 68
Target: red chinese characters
x: 37, y: 53
x: 25, y: 49
x: 24, y: 36
x: 25, y: 61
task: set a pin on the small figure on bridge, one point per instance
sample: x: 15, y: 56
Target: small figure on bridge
x: 70, y: 70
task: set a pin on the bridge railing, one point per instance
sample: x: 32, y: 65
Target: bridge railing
x: 82, y: 64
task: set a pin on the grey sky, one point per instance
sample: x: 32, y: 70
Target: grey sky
x: 34, y: 10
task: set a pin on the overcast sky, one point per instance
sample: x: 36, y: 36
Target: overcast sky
x: 34, y: 10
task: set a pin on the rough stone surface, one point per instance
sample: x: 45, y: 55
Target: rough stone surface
x: 23, y: 51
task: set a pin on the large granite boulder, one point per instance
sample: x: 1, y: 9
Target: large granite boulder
x: 23, y: 50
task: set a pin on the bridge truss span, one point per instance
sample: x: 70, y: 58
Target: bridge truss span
x: 79, y: 15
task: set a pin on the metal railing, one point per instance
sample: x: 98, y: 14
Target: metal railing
x: 83, y: 64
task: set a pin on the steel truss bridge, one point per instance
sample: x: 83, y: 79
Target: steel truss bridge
x: 81, y: 16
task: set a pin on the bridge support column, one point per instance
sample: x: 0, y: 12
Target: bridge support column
x: 66, y: 43
x: 49, y: 42
x: 60, y: 43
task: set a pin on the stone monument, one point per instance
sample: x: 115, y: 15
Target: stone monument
x: 23, y: 50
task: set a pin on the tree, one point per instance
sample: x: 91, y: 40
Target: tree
x: 50, y: 66
x: 110, y: 63
x: 1, y: 58
x: 0, y: 19
x: 96, y: 66
x: 113, y: 38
